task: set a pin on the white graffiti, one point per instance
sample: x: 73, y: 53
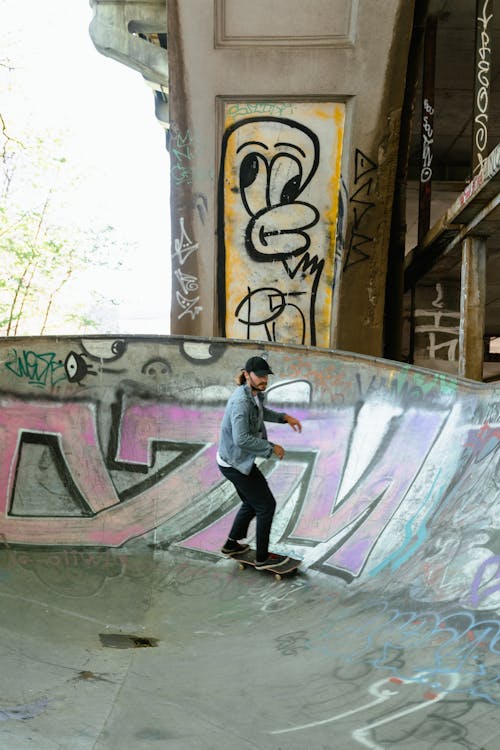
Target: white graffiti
x: 190, y: 306
x: 184, y: 247
x: 379, y: 690
x: 483, y: 81
x: 427, y: 141
x: 432, y: 325
x: 187, y: 282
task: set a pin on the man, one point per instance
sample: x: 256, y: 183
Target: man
x: 243, y: 438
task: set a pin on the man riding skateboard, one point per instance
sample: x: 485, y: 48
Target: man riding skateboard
x: 243, y: 438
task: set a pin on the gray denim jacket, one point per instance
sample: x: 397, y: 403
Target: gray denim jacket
x: 239, y: 442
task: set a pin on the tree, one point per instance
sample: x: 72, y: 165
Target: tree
x: 60, y: 189
x: 40, y: 254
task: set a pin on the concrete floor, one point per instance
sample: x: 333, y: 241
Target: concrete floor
x: 235, y: 659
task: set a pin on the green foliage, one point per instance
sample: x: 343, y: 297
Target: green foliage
x: 40, y: 251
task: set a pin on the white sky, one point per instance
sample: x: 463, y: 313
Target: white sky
x: 114, y: 140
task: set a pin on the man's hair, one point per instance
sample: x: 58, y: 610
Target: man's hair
x: 240, y: 378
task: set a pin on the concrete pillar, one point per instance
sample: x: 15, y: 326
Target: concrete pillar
x: 284, y: 140
x: 472, y: 308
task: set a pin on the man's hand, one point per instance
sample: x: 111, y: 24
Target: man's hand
x: 294, y: 423
x: 278, y: 451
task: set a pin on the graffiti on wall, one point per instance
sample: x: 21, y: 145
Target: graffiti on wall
x: 125, y: 445
x: 427, y: 141
x: 186, y: 293
x: 439, y: 328
x: 482, y: 82
x: 361, y: 203
x: 182, y: 148
x: 278, y: 204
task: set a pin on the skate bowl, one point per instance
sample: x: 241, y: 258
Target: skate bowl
x: 122, y: 625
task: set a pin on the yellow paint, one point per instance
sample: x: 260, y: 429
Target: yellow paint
x: 326, y: 120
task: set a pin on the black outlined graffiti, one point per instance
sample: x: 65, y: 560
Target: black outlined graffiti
x: 361, y: 206
x: 271, y: 177
x: 104, y: 351
x: 156, y: 366
x: 199, y: 353
x: 52, y: 480
x: 263, y: 306
x: 271, y: 161
x: 77, y: 368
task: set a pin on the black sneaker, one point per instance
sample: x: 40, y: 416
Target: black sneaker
x: 272, y: 561
x: 234, y: 548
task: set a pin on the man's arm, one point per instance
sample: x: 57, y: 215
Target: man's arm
x: 278, y: 416
x: 293, y: 422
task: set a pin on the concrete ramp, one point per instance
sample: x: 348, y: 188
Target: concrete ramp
x: 121, y: 626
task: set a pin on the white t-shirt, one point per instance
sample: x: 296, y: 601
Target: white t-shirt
x: 221, y: 461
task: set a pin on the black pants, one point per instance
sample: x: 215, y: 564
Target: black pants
x: 257, y: 501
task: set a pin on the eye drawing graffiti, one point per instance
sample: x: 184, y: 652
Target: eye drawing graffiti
x: 77, y: 368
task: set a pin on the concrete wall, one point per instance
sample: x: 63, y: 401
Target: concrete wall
x: 394, y: 481
x: 284, y: 121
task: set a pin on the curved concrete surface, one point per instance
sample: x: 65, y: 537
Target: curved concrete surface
x: 121, y: 625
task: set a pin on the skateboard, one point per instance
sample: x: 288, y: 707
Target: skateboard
x: 247, y: 559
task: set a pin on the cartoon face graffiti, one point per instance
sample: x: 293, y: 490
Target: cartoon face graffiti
x: 277, y: 223
x: 275, y: 160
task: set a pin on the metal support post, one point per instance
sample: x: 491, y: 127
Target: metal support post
x: 427, y: 128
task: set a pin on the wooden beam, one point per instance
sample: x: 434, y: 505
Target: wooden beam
x: 472, y: 308
x: 475, y: 207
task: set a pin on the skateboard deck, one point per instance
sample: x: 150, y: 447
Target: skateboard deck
x: 248, y: 558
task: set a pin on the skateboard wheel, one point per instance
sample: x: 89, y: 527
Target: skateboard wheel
x: 278, y: 577
x: 241, y: 566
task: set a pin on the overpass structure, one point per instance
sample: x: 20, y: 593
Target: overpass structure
x: 315, y: 154
x: 121, y: 621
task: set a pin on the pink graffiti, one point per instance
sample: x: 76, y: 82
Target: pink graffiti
x: 143, y: 422
x: 113, y: 522
x: 373, y: 500
x: 74, y: 426
x: 352, y: 522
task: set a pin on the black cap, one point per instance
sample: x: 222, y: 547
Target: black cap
x: 259, y: 366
